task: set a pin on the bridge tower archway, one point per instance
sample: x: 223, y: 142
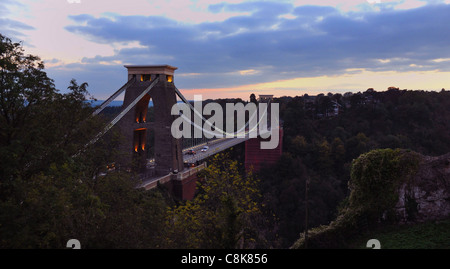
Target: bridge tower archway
x: 135, y: 127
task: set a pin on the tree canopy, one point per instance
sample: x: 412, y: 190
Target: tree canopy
x: 227, y: 212
x: 48, y: 192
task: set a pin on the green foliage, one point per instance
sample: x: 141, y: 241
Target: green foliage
x: 47, y: 209
x: 25, y: 89
x: 133, y: 218
x: 376, y: 177
x: 48, y: 194
x: 222, y: 215
x: 431, y: 235
x: 283, y: 187
x: 38, y: 125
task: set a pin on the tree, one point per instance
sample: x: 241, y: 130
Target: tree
x: 25, y: 90
x: 223, y: 215
x: 38, y: 125
x: 325, y: 105
x: 46, y: 193
x: 131, y: 217
x: 253, y: 98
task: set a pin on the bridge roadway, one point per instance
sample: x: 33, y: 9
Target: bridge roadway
x: 193, y: 162
x: 215, y: 146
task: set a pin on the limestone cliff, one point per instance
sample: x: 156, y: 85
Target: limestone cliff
x: 426, y: 195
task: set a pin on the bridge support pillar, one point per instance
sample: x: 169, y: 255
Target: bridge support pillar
x: 134, y: 125
x: 182, y: 185
x: 256, y: 158
x: 185, y: 188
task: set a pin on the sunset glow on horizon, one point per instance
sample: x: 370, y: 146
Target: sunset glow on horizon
x: 379, y: 81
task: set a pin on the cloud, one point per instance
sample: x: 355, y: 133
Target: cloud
x: 276, y: 41
x: 7, y: 23
x: 4, y: 6
x: 255, y: 8
x: 9, y: 27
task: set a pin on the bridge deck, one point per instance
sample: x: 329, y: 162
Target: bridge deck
x: 215, y: 147
x: 153, y: 182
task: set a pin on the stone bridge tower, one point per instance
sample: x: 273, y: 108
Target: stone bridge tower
x: 135, y: 127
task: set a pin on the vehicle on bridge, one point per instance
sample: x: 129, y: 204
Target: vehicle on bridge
x: 205, y: 148
x: 191, y: 152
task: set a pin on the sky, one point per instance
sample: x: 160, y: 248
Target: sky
x: 230, y: 49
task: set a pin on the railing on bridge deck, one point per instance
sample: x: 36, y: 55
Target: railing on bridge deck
x: 192, y: 171
x: 152, y: 183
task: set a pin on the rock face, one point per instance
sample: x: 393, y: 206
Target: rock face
x: 426, y: 196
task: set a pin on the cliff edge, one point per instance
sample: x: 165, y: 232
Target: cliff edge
x: 387, y: 187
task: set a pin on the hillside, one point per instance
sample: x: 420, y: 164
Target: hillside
x: 323, y: 134
x: 390, y: 188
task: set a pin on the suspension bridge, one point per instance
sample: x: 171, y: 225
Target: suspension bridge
x: 175, y: 161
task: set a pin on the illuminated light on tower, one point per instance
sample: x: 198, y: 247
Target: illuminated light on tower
x: 158, y: 83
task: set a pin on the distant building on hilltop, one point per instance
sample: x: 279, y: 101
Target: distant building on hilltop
x: 264, y: 98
